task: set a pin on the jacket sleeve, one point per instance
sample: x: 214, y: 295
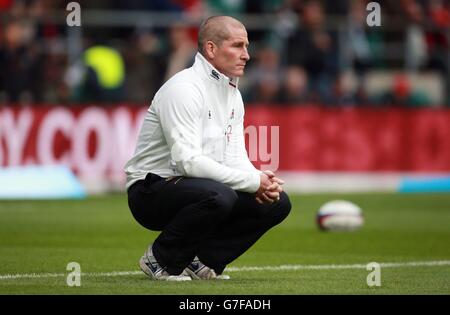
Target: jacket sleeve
x: 180, y: 112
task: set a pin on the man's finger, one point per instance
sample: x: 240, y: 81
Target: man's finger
x: 269, y: 173
x: 273, y: 186
x: 273, y: 194
x: 277, y: 180
x: 276, y: 188
x: 266, y: 198
x: 272, y: 177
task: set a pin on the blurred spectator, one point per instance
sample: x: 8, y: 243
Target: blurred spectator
x: 264, y: 77
x: 403, y: 94
x: 51, y: 37
x: 415, y: 49
x: 439, y: 11
x: 98, y: 76
x: 303, y: 37
x: 437, y: 37
x: 54, y: 89
x: 225, y: 7
x: 283, y: 26
x: 358, y: 46
x: 5, y: 5
x: 358, y: 53
x: 313, y: 48
x: 20, y: 63
x: 261, y: 7
x: 342, y: 93
x: 295, y: 86
x: 146, y: 65
x: 154, y: 5
x: 182, y: 50
x: 438, y: 40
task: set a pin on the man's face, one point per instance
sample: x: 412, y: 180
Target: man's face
x: 231, y: 55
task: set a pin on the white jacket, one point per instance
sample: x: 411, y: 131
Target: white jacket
x: 194, y: 127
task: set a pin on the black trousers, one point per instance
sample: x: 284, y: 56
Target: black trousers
x: 201, y: 217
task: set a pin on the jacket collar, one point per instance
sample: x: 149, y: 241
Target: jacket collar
x: 202, y: 66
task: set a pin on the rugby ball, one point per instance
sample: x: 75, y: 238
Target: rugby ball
x: 339, y: 215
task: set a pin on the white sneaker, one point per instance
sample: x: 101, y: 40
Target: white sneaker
x: 199, y: 271
x: 151, y: 268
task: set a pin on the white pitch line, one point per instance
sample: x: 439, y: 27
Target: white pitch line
x: 32, y: 275
x: 238, y: 269
x: 328, y: 267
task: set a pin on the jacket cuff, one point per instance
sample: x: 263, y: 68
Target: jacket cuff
x: 255, y: 181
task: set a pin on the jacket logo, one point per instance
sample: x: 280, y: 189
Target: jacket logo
x: 214, y: 74
x: 228, y: 133
x: 209, y: 114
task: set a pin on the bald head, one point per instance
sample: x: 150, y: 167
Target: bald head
x: 223, y: 41
x: 216, y: 29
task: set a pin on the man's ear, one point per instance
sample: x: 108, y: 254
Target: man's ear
x: 210, y: 49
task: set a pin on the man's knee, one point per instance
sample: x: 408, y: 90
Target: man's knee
x: 283, y: 207
x: 221, y: 198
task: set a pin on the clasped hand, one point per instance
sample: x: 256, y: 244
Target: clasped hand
x: 269, y: 188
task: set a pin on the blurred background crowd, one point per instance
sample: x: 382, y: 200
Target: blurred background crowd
x: 303, y: 51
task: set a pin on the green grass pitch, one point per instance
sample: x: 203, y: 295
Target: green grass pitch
x: 39, y: 238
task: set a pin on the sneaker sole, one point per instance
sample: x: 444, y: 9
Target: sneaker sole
x: 145, y: 269
x: 178, y: 278
x: 195, y: 277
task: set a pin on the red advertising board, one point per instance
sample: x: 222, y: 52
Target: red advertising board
x: 358, y: 139
x: 97, y: 141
